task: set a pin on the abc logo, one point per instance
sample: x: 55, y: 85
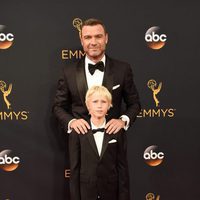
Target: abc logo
x: 154, y: 39
x: 6, y: 38
x: 153, y: 157
x: 8, y: 160
x: 8, y: 163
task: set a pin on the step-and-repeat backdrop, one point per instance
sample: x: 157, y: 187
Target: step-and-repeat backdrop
x: 160, y: 39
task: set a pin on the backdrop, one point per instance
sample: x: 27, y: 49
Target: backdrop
x: 160, y: 39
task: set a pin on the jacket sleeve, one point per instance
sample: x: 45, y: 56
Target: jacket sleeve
x: 130, y: 96
x: 123, y: 173
x: 74, y: 155
x: 62, y: 103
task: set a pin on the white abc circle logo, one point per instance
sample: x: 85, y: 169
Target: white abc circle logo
x: 9, y: 160
x: 6, y: 37
x: 153, y: 157
x: 155, y: 40
x: 153, y: 37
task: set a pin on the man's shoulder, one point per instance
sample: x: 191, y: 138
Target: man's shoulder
x: 117, y: 62
x: 72, y: 65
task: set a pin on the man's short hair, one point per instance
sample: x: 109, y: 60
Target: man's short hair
x: 93, y: 22
x: 101, y: 90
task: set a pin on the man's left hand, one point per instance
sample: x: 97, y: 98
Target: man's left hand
x: 114, y: 125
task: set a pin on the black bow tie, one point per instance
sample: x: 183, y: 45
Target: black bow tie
x: 98, y: 130
x: 99, y: 66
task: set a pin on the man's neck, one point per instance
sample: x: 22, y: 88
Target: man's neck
x: 95, y: 60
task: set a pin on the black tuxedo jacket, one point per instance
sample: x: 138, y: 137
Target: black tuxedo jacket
x: 92, y: 175
x: 72, y: 87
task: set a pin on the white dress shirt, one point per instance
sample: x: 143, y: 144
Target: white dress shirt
x: 98, y: 136
x: 97, y: 77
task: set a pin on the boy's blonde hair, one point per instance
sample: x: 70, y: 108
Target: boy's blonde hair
x: 101, y: 90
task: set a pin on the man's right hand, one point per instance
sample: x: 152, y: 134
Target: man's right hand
x: 80, y: 126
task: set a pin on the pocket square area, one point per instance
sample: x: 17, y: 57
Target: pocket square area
x: 115, y: 87
x: 112, y: 141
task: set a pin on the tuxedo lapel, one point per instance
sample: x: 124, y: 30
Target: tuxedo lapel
x: 92, y: 142
x: 81, y: 80
x: 105, y: 144
x: 108, y: 75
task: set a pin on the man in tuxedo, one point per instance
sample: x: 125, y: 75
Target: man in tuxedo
x: 95, y: 68
x: 98, y: 163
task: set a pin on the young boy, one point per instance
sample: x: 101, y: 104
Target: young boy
x: 98, y: 162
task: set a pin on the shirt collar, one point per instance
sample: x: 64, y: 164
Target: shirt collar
x: 88, y: 61
x: 95, y: 127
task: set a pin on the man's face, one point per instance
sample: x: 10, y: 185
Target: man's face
x: 98, y: 106
x: 94, y: 40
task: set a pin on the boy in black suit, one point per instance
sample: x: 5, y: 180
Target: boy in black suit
x: 98, y: 162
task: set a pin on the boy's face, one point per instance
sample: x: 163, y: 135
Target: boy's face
x: 98, y: 105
